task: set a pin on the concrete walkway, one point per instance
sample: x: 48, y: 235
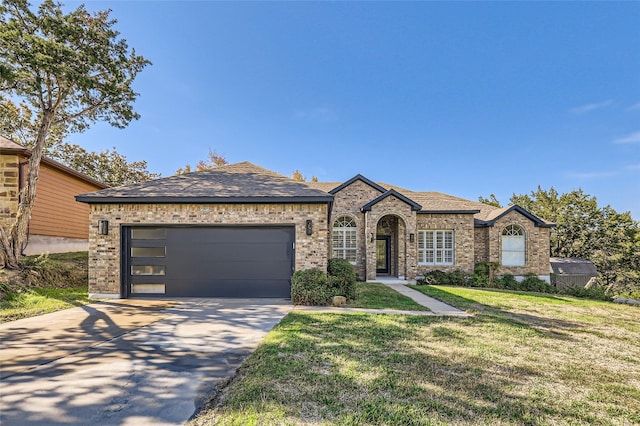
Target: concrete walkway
x: 437, y: 307
x: 340, y: 310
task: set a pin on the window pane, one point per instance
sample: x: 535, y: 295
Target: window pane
x: 448, y: 256
x: 448, y: 240
x: 513, y: 258
x: 428, y: 242
x: 148, y: 233
x: 147, y: 288
x: 350, y: 255
x: 350, y: 239
x: 513, y: 243
x: 147, y: 269
x: 147, y: 251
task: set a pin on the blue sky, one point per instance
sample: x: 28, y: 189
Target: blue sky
x: 458, y: 97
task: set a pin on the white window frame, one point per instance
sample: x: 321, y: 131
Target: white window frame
x: 513, y: 242
x: 435, y: 249
x: 344, y: 239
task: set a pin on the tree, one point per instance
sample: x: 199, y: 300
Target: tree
x: 108, y: 166
x: 18, y: 124
x: 69, y: 70
x: 213, y: 160
x: 609, y: 239
x: 492, y: 200
x: 299, y: 177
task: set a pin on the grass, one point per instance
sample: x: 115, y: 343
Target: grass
x: 40, y: 301
x: 379, y: 296
x: 46, y: 284
x: 524, y: 359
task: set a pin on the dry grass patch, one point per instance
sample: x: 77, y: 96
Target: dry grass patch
x: 522, y: 360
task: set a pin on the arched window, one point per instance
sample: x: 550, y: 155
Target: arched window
x: 513, y: 246
x: 343, y: 240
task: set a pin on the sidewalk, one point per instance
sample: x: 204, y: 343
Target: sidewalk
x: 437, y: 307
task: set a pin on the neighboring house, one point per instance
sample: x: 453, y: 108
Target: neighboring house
x: 572, y: 272
x: 58, y: 222
x: 241, y: 230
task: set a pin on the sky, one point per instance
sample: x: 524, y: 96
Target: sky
x: 465, y: 98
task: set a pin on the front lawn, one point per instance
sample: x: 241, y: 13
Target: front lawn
x: 379, y: 296
x: 523, y: 359
x: 40, y: 301
x: 46, y: 284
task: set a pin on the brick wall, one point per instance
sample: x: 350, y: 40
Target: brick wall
x: 406, y: 255
x: 8, y: 189
x: 464, y: 240
x: 348, y: 202
x: 481, y: 244
x: 104, y: 250
x: 537, y: 246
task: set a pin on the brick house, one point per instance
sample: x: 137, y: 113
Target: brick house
x: 241, y: 230
x: 58, y: 223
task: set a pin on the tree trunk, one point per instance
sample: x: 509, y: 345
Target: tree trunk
x: 11, y: 245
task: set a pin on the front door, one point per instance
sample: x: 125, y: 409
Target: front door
x: 382, y: 255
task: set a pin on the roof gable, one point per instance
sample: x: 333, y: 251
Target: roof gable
x: 361, y: 178
x: 9, y: 146
x: 496, y: 214
x: 235, y: 183
x: 414, y: 206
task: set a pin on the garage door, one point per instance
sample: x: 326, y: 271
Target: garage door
x: 208, y: 261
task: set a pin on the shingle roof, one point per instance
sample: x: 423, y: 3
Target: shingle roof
x: 7, y: 145
x: 572, y: 266
x: 430, y: 201
x: 437, y: 202
x: 235, y: 183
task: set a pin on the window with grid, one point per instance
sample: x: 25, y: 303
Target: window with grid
x: 513, y: 246
x: 343, y: 240
x: 435, y: 247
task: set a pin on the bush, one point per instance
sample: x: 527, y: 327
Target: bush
x: 437, y: 277
x: 342, y: 278
x: 310, y: 287
x: 597, y: 293
x: 484, y: 273
x: 531, y: 282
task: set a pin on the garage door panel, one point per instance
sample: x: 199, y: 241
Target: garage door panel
x: 231, y: 270
x: 227, y: 235
x: 215, y: 262
x: 214, y: 252
x: 228, y: 288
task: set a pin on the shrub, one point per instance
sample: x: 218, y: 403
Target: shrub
x: 506, y: 281
x: 484, y: 273
x: 531, y: 282
x: 597, y: 293
x: 310, y: 287
x: 437, y: 277
x: 342, y: 278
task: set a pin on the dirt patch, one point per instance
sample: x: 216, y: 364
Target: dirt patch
x: 60, y: 270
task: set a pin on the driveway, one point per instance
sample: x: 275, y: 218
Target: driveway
x: 127, y: 362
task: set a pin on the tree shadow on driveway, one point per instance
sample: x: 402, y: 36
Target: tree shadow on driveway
x: 120, y: 363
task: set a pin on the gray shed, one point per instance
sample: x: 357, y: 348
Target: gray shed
x: 569, y: 272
